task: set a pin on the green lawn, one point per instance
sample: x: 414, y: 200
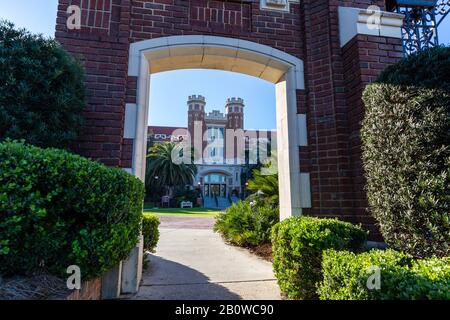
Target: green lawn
x: 176, y: 212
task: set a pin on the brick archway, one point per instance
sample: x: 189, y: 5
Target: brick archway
x: 210, y: 52
x: 119, y: 39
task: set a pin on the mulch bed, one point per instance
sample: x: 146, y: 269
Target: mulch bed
x: 263, y: 251
x: 37, y: 287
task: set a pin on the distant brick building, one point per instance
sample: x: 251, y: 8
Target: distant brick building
x: 218, y: 174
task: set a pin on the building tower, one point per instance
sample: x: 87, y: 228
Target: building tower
x: 196, y: 113
x: 235, y: 113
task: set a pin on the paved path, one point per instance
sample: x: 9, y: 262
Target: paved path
x: 192, y: 262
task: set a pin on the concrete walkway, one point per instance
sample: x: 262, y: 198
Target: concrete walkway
x: 192, y: 262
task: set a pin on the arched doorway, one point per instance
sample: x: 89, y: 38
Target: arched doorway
x: 229, y: 54
x: 215, y: 185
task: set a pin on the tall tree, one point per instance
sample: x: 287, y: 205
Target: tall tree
x: 41, y: 89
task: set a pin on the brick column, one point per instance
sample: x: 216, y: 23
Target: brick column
x: 102, y: 45
x: 364, y: 58
x: 336, y: 72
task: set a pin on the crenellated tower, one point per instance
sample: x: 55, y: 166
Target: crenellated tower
x: 196, y: 113
x: 235, y: 113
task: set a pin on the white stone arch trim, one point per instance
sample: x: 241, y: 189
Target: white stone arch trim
x: 197, y: 51
x: 284, y: 70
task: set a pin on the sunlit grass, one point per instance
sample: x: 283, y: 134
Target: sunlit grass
x: 187, y: 212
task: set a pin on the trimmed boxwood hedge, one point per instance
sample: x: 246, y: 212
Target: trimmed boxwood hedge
x: 58, y: 209
x: 150, y: 231
x: 345, y: 276
x: 297, y: 251
x: 406, y: 153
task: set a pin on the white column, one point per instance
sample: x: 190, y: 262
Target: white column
x: 132, y: 267
x: 287, y: 147
x: 140, y: 141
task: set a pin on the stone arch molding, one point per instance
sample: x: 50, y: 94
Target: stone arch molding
x: 212, y: 52
x: 236, y: 55
x: 207, y: 172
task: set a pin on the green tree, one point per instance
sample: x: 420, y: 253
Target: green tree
x: 41, y: 89
x: 165, y: 171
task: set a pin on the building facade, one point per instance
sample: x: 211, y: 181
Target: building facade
x: 220, y: 162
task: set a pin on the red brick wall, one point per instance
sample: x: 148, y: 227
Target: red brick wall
x: 334, y: 77
x: 364, y: 57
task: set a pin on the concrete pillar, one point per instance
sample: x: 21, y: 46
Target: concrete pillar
x: 111, y: 283
x: 132, y: 269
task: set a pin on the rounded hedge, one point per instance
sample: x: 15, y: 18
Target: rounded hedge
x: 58, y: 209
x: 297, y: 251
x: 406, y: 153
x: 345, y: 276
x: 41, y: 89
x: 247, y: 224
x: 427, y: 69
x: 150, y: 231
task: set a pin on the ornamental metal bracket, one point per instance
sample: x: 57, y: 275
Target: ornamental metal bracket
x: 422, y: 19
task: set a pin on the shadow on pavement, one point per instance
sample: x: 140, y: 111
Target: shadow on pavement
x: 168, y: 280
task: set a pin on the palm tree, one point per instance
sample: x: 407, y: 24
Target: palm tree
x: 265, y: 184
x: 165, y: 171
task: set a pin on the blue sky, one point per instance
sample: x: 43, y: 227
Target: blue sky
x: 171, y: 89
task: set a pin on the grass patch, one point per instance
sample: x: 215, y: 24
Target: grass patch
x: 178, y: 212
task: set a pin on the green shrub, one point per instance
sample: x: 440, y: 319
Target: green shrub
x: 150, y: 224
x: 297, y: 251
x: 247, y: 224
x: 406, y: 153
x: 41, y: 89
x: 58, y: 209
x: 346, y: 275
x: 428, y: 69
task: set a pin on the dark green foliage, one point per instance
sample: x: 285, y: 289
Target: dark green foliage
x: 58, y: 209
x: 297, y: 251
x: 247, y: 224
x: 187, y: 195
x: 264, y: 186
x: 166, y: 167
x: 406, y: 153
x: 150, y: 231
x: 428, y: 69
x: 41, y: 89
x: 345, y: 276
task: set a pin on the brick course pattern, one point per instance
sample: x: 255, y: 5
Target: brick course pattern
x: 335, y: 77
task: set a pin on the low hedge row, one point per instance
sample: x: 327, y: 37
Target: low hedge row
x: 246, y: 223
x: 298, y: 243
x: 346, y: 275
x: 58, y: 209
x: 150, y: 224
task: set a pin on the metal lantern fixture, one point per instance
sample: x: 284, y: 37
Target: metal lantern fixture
x: 422, y: 18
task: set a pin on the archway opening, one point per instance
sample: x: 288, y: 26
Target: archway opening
x: 207, y: 52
